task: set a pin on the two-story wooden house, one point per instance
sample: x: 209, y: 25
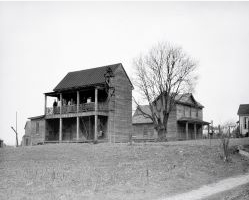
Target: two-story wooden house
x: 92, y: 105
x: 185, y: 120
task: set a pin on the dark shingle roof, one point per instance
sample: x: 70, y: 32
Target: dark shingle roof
x: 85, y: 77
x: 139, y: 118
x: 243, y: 109
x: 187, y: 98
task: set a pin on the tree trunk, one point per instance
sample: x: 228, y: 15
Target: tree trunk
x: 162, y: 133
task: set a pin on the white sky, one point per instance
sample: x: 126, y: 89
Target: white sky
x: 42, y: 41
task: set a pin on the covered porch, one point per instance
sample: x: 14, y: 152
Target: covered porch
x: 75, y: 129
x: 190, y: 129
x: 76, y: 101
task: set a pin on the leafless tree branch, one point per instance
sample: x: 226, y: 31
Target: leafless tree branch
x: 162, y: 75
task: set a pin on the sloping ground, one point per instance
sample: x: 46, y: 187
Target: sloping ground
x: 206, y: 191
x: 238, y: 193
x: 114, y: 171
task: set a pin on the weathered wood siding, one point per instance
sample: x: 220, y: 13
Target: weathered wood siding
x: 200, y: 114
x: 243, y: 129
x: 188, y: 111
x: 26, y: 139
x: 180, y: 111
x: 120, y: 106
x: 144, y: 131
x: 37, y: 134
x: 172, y: 125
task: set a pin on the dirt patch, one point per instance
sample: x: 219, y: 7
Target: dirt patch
x: 113, y: 171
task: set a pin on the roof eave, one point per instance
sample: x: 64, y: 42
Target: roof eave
x: 189, y: 104
x: 37, y: 117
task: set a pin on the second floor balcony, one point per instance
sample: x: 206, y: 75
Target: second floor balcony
x: 85, y: 107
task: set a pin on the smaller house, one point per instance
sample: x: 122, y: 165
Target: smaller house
x: 143, y: 127
x: 185, y: 120
x: 243, y: 113
x: 26, y: 138
x: 34, y: 131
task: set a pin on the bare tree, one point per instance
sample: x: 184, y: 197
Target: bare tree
x: 162, y: 75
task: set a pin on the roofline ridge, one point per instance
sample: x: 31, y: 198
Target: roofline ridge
x: 94, y: 68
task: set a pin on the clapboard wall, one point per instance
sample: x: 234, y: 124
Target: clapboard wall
x: 120, y: 108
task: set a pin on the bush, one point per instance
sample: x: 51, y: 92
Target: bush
x: 224, y: 143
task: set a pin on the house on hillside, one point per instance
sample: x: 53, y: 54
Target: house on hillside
x: 243, y: 113
x: 26, y: 138
x: 185, y: 120
x: 143, y: 127
x: 91, y: 105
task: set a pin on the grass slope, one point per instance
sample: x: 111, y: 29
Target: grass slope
x: 113, y: 171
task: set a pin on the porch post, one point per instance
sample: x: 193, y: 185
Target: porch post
x: 77, y: 128
x: 96, y: 116
x: 78, y: 100
x: 195, y: 130
x: 77, y: 123
x: 45, y: 104
x: 202, y: 131
x: 61, y: 103
x: 186, y: 130
x: 60, y: 130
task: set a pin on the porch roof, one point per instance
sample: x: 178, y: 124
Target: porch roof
x: 192, y: 120
x: 36, y: 117
x: 86, y: 88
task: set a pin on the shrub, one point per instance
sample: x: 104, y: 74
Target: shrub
x: 224, y: 143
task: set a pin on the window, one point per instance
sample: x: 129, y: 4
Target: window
x: 37, y: 128
x: 197, y: 112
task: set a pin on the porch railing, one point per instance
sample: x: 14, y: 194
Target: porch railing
x: 85, y: 107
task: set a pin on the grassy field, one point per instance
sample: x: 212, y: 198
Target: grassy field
x: 114, y: 171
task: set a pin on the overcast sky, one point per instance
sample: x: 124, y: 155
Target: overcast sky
x: 40, y: 42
